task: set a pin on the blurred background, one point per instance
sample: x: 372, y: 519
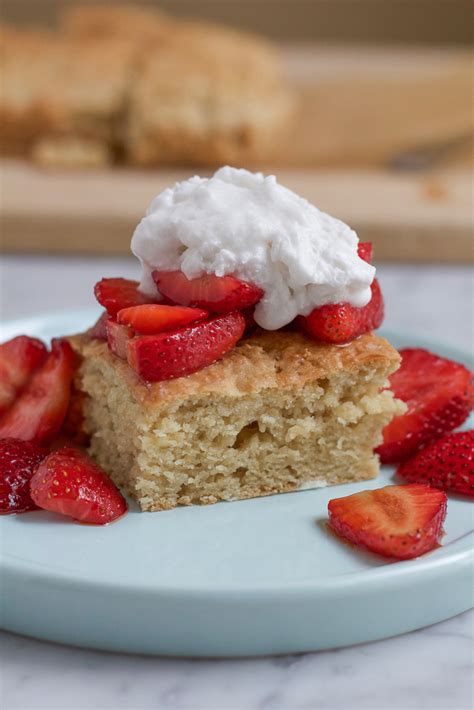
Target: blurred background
x: 419, y: 21
x: 363, y: 106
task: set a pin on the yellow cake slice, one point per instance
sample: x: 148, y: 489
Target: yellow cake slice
x: 279, y: 413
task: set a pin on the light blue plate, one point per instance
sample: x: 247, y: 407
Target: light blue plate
x: 254, y: 577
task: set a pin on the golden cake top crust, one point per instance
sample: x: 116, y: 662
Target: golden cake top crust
x: 276, y: 359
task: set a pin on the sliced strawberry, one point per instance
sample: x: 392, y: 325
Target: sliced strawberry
x: 19, y: 358
x: 340, y: 322
x: 181, y: 352
x: 18, y: 462
x: 99, y: 329
x: 39, y: 411
x: 115, y: 294
x: 216, y: 294
x: 439, y: 394
x: 365, y: 251
x: 395, y: 521
x: 118, y: 337
x: 70, y: 483
x: 155, y: 318
x: 447, y: 464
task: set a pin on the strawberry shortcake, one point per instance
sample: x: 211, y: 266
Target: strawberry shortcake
x: 244, y: 362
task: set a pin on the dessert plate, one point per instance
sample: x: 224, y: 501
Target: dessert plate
x: 253, y: 577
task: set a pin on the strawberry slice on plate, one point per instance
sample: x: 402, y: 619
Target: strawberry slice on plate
x: 396, y: 521
x: 18, y: 462
x: 439, y: 394
x: 177, y: 353
x: 340, y: 323
x: 19, y: 358
x: 216, y: 294
x: 39, y: 411
x: 154, y: 318
x: 117, y: 293
x: 447, y: 464
x: 70, y: 483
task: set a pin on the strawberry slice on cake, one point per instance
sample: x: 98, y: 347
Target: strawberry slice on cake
x: 216, y: 294
x: 181, y: 352
x: 117, y: 293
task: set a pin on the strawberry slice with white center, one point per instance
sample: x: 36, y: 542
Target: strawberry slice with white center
x: 155, y: 318
x: 177, y: 353
x: 117, y: 293
x: 216, y: 294
x: 19, y: 358
x: 70, y: 483
x: 439, y: 394
x: 39, y: 411
x: 401, y: 522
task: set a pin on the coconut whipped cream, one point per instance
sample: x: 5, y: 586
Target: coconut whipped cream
x: 245, y: 224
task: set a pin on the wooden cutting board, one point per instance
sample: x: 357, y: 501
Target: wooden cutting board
x: 408, y: 216
x: 358, y: 108
x: 363, y: 106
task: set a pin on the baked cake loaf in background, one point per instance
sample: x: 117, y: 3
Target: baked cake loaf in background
x: 208, y: 95
x: 280, y: 412
x: 125, y: 84
x: 63, y: 99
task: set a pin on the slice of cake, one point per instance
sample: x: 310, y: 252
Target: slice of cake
x: 280, y: 412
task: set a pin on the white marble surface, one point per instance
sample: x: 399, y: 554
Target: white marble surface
x: 429, y: 669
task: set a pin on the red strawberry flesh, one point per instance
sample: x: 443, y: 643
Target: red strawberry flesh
x: 99, y: 329
x: 117, y: 293
x: 447, y: 463
x: 365, y: 251
x: 38, y: 413
x: 216, y: 294
x: 18, y: 462
x: 340, y: 323
x: 117, y: 338
x: 19, y: 358
x: 401, y: 522
x: 70, y: 483
x: 181, y: 352
x: 153, y: 318
x: 439, y: 395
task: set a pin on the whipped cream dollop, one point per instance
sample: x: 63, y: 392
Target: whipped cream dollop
x: 245, y: 224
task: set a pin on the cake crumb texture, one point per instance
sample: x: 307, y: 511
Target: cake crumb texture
x: 279, y: 413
